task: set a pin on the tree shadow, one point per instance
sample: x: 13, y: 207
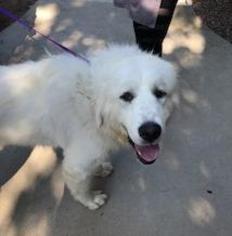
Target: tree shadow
x: 8, y: 165
x: 75, y: 26
x: 29, y: 199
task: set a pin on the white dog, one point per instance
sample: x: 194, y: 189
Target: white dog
x: 123, y: 96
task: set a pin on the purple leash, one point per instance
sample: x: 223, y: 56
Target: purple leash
x: 29, y: 28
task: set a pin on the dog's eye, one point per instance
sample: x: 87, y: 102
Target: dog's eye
x: 127, y: 96
x: 159, y: 93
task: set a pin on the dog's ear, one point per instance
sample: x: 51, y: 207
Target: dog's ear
x: 171, y: 104
x: 99, y: 119
x: 83, y: 87
x: 98, y: 113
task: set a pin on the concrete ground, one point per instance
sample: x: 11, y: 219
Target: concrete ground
x: 186, y: 192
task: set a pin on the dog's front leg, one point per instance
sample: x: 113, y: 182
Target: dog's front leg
x: 79, y: 185
x: 77, y: 175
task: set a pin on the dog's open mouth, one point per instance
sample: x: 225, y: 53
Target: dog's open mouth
x: 147, y: 154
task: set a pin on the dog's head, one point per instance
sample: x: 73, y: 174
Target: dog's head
x: 133, y: 93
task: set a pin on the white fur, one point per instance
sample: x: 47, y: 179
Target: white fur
x: 63, y: 101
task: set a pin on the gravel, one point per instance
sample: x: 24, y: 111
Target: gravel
x: 217, y: 14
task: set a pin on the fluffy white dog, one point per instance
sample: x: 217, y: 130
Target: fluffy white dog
x: 123, y: 96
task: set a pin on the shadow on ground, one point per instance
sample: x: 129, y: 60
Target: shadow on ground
x: 79, y: 25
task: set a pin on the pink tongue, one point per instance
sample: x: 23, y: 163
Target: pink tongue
x: 148, y: 152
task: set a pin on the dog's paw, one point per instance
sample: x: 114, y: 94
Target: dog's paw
x: 97, y: 200
x: 105, y: 169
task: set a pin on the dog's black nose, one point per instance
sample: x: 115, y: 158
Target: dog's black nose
x: 150, y: 131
